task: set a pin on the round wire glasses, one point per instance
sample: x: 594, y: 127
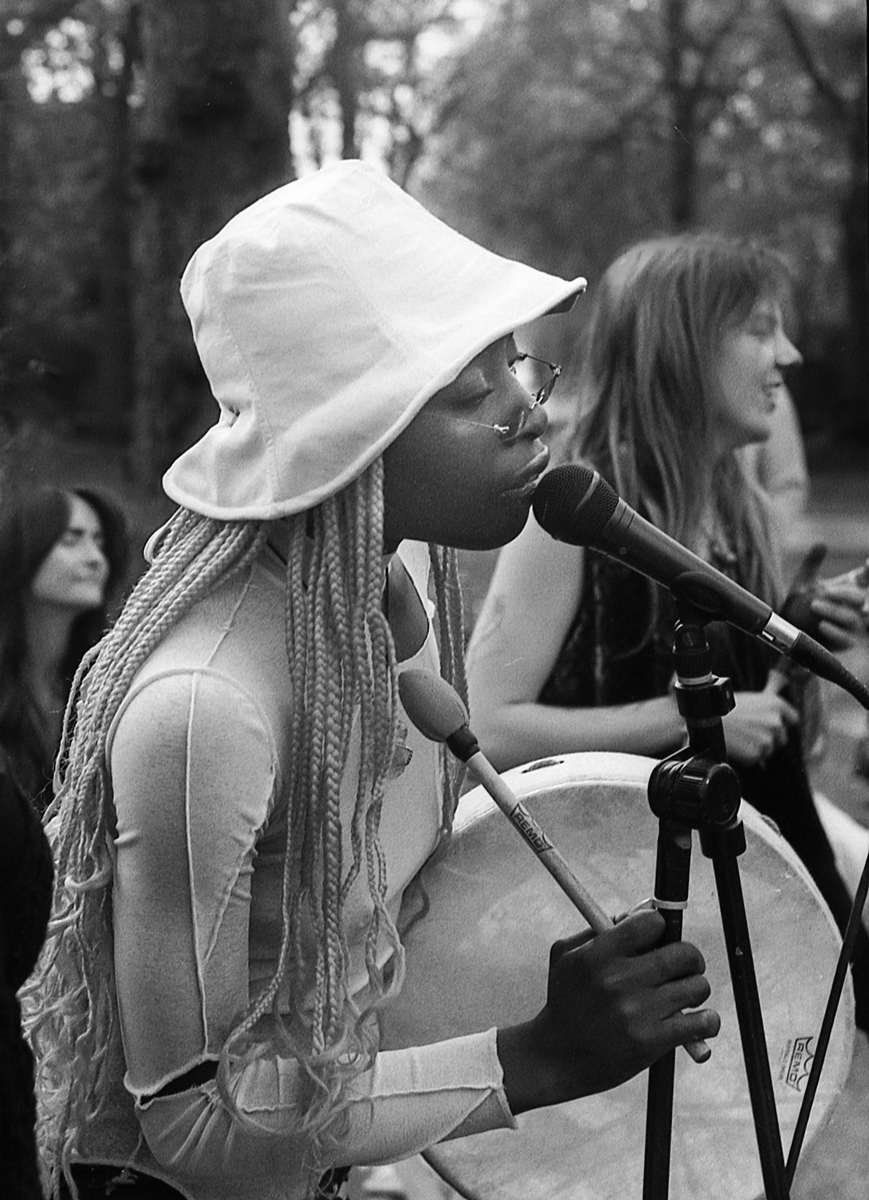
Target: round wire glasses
x: 508, y: 433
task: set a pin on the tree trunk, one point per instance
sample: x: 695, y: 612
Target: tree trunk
x: 343, y: 68
x: 682, y: 105
x: 213, y: 136
x: 115, y: 378
x: 13, y: 93
x: 856, y: 260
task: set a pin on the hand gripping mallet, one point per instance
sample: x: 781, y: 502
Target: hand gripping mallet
x: 439, y: 713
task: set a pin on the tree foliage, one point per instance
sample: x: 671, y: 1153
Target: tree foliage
x: 130, y: 130
x: 181, y: 118
x: 363, y: 78
x: 569, y: 130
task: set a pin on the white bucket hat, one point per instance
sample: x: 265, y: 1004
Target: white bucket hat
x: 325, y: 315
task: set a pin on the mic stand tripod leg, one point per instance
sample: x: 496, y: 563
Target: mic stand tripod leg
x: 748, y: 1011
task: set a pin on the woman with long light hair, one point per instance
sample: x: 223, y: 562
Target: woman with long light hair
x: 682, y: 367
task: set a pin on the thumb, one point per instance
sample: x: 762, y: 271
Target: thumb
x: 776, y: 680
x: 638, y: 932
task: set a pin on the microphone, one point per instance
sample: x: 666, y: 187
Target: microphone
x: 574, y: 504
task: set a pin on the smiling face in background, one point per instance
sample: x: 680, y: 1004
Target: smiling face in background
x: 451, y: 477
x: 73, y: 574
x: 749, y: 369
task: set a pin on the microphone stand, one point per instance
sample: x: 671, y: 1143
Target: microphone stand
x: 695, y: 788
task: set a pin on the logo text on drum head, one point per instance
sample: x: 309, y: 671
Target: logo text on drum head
x: 796, y: 1062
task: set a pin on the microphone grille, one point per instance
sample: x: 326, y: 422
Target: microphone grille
x: 573, y: 504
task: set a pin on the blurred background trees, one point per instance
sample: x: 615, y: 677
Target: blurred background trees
x: 555, y: 130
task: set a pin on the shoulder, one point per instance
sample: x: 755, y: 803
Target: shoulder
x: 536, y: 563
x: 166, y: 712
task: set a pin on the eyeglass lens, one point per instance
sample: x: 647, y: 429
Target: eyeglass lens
x: 539, y: 397
x: 514, y: 430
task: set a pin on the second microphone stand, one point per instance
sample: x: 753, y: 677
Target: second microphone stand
x: 696, y: 789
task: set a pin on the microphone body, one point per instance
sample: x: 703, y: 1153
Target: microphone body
x: 574, y: 504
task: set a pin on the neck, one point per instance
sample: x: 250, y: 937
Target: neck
x: 47, y: 630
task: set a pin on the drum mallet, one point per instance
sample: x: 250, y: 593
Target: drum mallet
x: 439, y: 713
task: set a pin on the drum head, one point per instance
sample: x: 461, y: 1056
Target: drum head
x: 479, y: 958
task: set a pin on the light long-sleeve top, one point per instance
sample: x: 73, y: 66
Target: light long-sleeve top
x: 199, y: 761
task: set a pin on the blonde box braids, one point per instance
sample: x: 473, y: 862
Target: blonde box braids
x: 340, y: 658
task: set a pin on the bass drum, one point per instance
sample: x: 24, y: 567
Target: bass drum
x: 479, y: 958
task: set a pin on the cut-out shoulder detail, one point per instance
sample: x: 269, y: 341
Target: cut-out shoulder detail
x: 406, y: 613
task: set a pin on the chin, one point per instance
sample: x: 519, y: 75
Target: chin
x: 494, y: 537
x: 87, y: 602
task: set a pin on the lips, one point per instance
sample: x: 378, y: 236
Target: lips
x: 89, y: 586
x: 530, y: 476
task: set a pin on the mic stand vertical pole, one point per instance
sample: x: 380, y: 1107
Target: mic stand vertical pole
x: 672, y: 870
x: 695, y: 788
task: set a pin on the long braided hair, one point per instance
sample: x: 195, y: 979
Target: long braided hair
x: 340, y: 659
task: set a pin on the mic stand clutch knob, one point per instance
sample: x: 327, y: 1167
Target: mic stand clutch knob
x: 688, y: 787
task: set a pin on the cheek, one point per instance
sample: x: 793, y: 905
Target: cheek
x: 737, y: 370
x: 478, y: 513
x: 50, y: 579
x: 451, y: 490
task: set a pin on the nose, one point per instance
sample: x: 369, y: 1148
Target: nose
x: 529, y: 419
x: 537, y: 421
x: 786, y: 353
x: 94, y: 555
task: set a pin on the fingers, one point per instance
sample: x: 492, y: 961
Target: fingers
x: 685, y: 1027
x: 832, y: 610
x: 638, y: 933
x: 574, y: 942
x: 615, y: 1004
x: 844, y: 591
x: 634, y: 933
x: 633, y: 943
x: 677, y: 961
x: 847, y: 585
x: 840, y: 609
x: 759, y: 724
x: 776, y: 680
x: 834, y: 637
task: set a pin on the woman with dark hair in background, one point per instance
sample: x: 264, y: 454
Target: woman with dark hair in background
x: 25, y: 903
x: 61, y: 554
